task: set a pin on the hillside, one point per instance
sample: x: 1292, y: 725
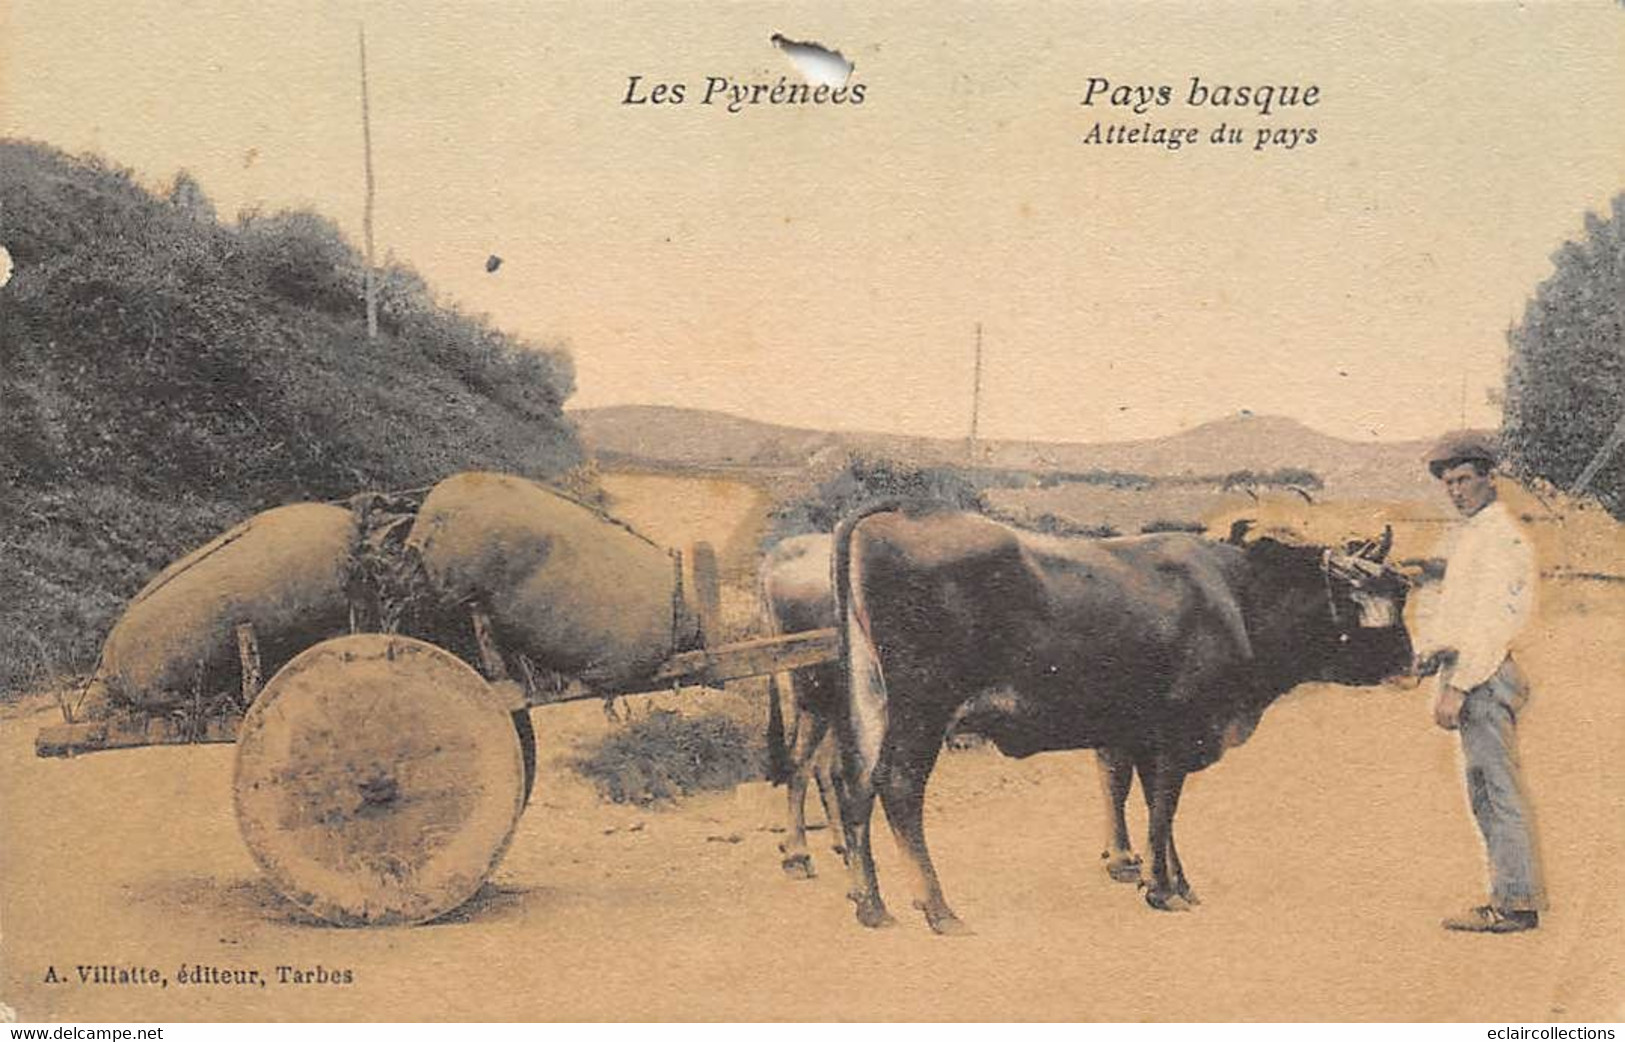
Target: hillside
x: 163, y: 374
x: 671, y: 436
x: 663, y: 436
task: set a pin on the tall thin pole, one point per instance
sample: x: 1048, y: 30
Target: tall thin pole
x: 1604, y: 454
x: 976, y: 395
x: 366, y: 221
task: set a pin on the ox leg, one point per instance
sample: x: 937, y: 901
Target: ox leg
x: 808, y: 735
x: 1163, y: 782
x: 901, y: 778
x: 1116, y: 770
x: 828, y: 778
x: 857, y: 795
x: 1177, y: 871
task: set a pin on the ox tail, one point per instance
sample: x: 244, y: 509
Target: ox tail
x: 862, y: 719
x: 778, y: 751
x: 780, y: 686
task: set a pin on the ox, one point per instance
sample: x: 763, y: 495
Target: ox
x: 1166, y: 648
x: 796, y: 596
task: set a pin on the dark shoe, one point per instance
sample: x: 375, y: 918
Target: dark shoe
x: 1489, y: 919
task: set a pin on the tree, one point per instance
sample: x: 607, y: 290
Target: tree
x: 1565, y: 390
x: 862, y: 480
x: 187, y: 196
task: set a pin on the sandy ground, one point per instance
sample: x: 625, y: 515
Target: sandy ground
x: 1325, y: 851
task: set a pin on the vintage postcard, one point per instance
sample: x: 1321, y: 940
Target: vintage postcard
x: 554, y: 511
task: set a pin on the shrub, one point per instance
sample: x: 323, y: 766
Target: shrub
x: 667, y: 755
x: 1282, y: 477
x: 1292, y: 476
x: 1055, y: 524
x: 864, y: 480
x: 1118, y: 479
x: 1170, y: 525
x: 302, y: 258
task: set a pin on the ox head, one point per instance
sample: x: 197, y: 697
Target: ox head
x: 1344, y: 607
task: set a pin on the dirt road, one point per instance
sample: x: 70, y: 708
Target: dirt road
x: 1325, y: 851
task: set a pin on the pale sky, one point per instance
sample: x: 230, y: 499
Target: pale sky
x: 825, y: 266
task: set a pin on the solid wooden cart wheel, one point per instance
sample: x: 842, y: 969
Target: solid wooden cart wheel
x: 378, y: 780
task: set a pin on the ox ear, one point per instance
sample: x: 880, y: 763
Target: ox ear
x: 1238, y: 531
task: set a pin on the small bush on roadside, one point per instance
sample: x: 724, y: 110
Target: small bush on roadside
x: 667, y: 755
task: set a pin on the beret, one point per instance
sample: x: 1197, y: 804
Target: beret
x: 1461, y: 447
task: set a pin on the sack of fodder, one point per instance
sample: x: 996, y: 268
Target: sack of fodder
x: 577, y: 592
x: 283, y: 571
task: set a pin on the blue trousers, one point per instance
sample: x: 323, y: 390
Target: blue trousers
x: 1489, y: 738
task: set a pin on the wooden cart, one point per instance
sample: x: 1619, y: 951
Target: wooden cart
x: 380, y: 777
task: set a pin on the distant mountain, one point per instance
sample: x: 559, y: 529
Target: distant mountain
x: 667, y: 436
x: 1246, y: 442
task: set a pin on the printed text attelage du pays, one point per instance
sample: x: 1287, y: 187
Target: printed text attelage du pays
x: 1283, y: 109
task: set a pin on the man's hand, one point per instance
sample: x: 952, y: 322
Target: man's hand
x: 1447, y: 706
x: 1421, y: 570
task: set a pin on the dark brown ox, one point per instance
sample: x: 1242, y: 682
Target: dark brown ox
x: 1167, y: 648
x: 797, y: 595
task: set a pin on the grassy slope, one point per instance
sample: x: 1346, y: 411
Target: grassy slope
x: 163, y: 375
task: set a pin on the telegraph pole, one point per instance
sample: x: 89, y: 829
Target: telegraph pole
x: 976, y: 397
x: 1604, y: 454
x: 366, y: 220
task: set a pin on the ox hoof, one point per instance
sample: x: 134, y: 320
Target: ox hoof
x: 944, y: 923
x: 872, y: 912
x: 798, y: 866
x: 1123, y: 866
x: 1166, y: 900
x: 1184, y: 890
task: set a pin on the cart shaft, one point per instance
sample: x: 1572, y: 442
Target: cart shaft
x: 752, y: 658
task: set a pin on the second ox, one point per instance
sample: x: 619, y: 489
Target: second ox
x: 1165, y: 648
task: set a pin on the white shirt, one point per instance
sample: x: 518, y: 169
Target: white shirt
x: 1487, y: 597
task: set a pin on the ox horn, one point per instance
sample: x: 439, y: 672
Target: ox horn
x: 1375, y: 549
x: 1300, y: 490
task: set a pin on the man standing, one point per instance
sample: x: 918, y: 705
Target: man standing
x: 1486, y: 599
